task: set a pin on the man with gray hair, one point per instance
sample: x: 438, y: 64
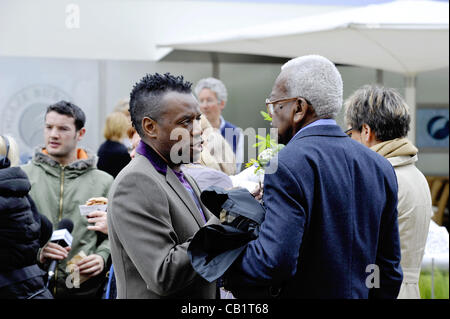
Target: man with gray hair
x: 212, y: 96
x: 330, y: 229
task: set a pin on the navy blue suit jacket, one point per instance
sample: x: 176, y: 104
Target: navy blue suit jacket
x: 331, y: 215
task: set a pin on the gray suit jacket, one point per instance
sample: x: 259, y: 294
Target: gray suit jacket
x: 151, y: 220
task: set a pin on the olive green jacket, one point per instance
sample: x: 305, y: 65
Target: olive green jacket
x: 58, y: 191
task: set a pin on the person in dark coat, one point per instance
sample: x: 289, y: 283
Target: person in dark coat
x: 330, y: 228
x: 113, y: 156
x: 23, y: 230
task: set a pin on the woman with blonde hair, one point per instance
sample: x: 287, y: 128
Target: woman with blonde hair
x: 113, y: 155
x: 123, y: 106
x: 23, y: 230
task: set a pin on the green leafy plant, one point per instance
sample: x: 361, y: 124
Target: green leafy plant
x: 267, y: 148
x: 264, y: 143
x: 266, y: 116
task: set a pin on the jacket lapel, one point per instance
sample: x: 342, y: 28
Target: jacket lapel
x: 184, y: 195
x: 197, y: 192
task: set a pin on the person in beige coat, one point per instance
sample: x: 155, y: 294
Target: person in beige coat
x: 154, y: 209
x: 379, y: 118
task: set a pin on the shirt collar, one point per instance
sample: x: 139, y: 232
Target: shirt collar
x: 222, y: 123
x: 161, y: 166
x: 158, y: 163
x: 156, y: 160
x: 317, y: 123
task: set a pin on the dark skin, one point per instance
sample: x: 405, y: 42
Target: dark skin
x: 180, y: 112
x: 289, y: 117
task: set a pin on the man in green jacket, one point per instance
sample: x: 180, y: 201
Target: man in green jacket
x: 62, y: 178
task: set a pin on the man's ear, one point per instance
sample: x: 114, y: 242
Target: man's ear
x: 80, y: 134
x: 149, y: 127
x: 300, y: 110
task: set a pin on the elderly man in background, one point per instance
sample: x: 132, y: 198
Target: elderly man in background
x: 379, y: 118
x: 330, y: 229
x: 212, y: 96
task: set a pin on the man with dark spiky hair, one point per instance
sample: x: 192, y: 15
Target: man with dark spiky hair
x: 154, y: 210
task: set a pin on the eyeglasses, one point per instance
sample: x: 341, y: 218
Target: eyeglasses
x: 349, y: 132
x: 271, y: 105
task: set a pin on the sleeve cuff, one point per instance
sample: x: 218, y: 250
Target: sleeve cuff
x: 104, y: 253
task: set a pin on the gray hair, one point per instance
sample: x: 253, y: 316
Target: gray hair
x: 383, y: 109
x: 316, y: 79
x: 214, y: 85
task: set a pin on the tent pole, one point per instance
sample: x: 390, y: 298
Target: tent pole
x: 432, y: 278
x: 379, y: 76
x: 102, y: 112
x: 215, y: 65
x: 410, y: 97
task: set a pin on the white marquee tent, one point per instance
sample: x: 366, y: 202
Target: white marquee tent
x: 407, y: 37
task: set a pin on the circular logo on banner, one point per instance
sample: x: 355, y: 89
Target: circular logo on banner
x: 438, y: 127
x: 23, y: 115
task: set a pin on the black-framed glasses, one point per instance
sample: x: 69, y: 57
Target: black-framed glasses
x: 271, y: 105
x: 349, y: 132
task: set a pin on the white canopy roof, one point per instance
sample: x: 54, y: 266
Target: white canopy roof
x: 125, y: 29
x: 401, y: 36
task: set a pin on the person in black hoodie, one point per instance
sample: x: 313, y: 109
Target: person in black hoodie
x: 23, y: 230
x: 113, y: 156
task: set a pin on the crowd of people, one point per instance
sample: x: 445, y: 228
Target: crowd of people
x: 347, y: 213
